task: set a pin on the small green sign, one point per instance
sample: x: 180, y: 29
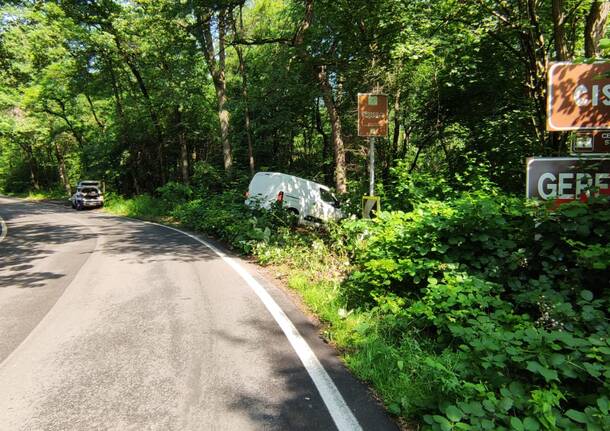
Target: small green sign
x: 372, y: 100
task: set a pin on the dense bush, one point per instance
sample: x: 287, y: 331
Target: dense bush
x: 226, y: 217
x: 511, y: 302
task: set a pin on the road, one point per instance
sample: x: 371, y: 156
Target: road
x: 109, y: 323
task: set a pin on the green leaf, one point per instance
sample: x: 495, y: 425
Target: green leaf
x: 531, y: 424
x: 594, y: 369
x: 394, y: 408
x: 443, y: 422
x: 453, y: 413
x: 506, y: 404
x: 587, y: 295
x: 577, y: 416
x: 536, y: 367
x: 516, y: 424
x: 603, y: 405
x: 476, y: 409
x: 517, y: 389
x: 489, y: 405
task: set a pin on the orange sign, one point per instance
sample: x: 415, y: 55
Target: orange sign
x: 372, y: 115
x: 578, y: 96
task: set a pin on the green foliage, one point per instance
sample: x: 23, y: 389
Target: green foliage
x: 516, y: 293
x: 173, y: 194
x: 225, y: 216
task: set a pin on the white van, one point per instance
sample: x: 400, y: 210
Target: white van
x: 308, y: 200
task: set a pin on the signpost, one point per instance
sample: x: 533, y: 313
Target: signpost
x: 578, y: 96
x: 567, y: 179
x: 593, y: 142
x: 372, y: 122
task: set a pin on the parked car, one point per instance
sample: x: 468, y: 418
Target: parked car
x: 308, y: 200
x: 87, y: 197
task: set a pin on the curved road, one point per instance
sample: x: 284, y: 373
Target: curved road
x: 112, y: 323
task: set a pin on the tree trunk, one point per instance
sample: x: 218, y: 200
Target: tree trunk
x: 392, y: 153
x: 559, y: 36
x: 32, y: 165
x: 328, y: 175
x: 61, y: 163
x: 203, y: 32
x: 184, y: 158
x: 595, y: 27
x: 244, y: 92
x: 337, y: 139
x: 97, y: 120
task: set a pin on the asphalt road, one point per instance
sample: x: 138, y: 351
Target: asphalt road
x: 112, y: 323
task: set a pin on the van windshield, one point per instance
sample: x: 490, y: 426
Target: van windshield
x: 328, y: 197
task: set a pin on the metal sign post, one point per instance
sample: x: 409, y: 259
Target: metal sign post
x: 372, y: 122
x: 371, y: 166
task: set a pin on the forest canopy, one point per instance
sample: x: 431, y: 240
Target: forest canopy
x: 139, y: 93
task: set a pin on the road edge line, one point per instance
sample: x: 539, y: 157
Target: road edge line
x: 335, y: 403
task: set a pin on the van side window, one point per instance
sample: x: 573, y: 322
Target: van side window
x: 327, y: 196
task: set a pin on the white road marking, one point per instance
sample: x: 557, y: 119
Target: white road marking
x: 337, y: 407
x: 3, y: 229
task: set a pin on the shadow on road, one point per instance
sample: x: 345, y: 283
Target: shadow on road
x: 32, y: 237
x: 140, y: 242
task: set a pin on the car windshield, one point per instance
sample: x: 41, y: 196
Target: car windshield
x: 89, y: 190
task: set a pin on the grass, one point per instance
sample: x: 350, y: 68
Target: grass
x: 143, y: 207
x: 40, y: 195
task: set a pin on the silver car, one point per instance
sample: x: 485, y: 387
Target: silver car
x: 87, y: 197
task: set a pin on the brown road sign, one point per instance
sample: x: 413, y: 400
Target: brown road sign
x: 567, y: 179
x: 578, y: 96
x: 594, y: 142
x: 372, y: 115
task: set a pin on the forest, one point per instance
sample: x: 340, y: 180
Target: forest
x: 464, y: 305
x: 140, y: 93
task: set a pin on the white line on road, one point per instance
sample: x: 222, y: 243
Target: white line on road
x: 342, y: 415
x: 3, y: 229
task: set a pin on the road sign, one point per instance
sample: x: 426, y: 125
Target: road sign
x: 567, y: 179
x: 594, y: 142
x: 372, y: 115
x: 370, y: 206
x: 578, y: 96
